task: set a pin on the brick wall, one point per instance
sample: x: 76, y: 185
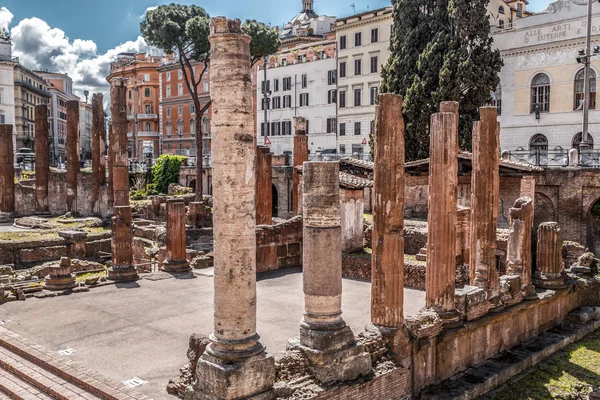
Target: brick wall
x: 279, y: 246
x: 392, y: 385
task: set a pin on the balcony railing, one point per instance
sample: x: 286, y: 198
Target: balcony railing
x: 131, y: 117
x: 144, y: 133
x: 555, y: 158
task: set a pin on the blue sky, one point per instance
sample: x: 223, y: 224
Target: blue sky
x: 111, y: 22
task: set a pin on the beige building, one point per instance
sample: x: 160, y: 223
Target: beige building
x: 30, y: 90
x: 542, y: 84
x: 504, y: 13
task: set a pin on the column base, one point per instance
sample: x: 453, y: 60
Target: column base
x: 552, y: 282
x: 62, y: 283
x: 495, y: 304
x: 397, y: 341
x: 176, y: 267
x: 529, y: 293
x: 122, y: 274
x: 246, y: 378
x: 450, y: 319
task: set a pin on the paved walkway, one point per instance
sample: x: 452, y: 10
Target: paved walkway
x: 142, y: 329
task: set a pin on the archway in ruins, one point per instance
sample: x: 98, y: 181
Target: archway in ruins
x: 275, y: 201
x: 544, y: 210
x: 593, y: 227
x: 193, y: 185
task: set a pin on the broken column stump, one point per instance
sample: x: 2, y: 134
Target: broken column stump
x: 118, y: 148
x: 42, y: 159
x: 325, y: 339
x: 549, y: 271
x: 72, y: 145
x: 264, y: 186
x: 300, y: 157
x: 61, y: 276
x: 122, y: 269
x: 234, y: 364
x: 7, y: 170
x: 519, y: 245
x: 176, y: 261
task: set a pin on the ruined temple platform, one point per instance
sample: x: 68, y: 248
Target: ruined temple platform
x: 142, y: 329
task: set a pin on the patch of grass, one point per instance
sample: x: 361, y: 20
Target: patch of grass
x: 368, y: 217
x: 26, y: 236
x: 570, y: 374
x: 83, y: 277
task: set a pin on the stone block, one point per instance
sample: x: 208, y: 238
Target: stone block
x: 426, y: 324
x: 74, y: 236
x: 471, y: 302
x: 583, y: 315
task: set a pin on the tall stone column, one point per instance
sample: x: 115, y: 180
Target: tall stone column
x: 300, y: 157
x: 97, y: 129
x: 485, y: 187
x: 387, y: 277
x: 235, y: 364
x: 548, y: 274
x: 441, y: 242
x: 264, y: 186
x: 120, y: 176
x: 122, y: 269
x: 72, y: 154
x: 463, y: 235
x: 176, y: 261
x: 42, y: 159
x: 519, y: 245
x: 110, y: 165
x: 7, y: 170
x: 325, y: 339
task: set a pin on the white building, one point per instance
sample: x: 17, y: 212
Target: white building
x: 363, y: 47
x: 301, y: 82
x: 306, y: 23
x: 85, y: 130
x: 7, y: 87
x: 542, y: 84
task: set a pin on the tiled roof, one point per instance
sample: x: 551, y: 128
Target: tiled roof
x: 349, y: 181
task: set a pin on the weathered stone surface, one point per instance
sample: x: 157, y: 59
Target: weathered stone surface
x: 199, y: 215
x: 387, y: 297
x: 97, y: 154
x: 42, y: 158
x: 519, y: 245
x: 352, y: 216
x: 463, y: 235
x: 72, y: 154
x: 264, y: 186
x: 549, y: 272
x: 426, y: 324
x: 510, y: 290
x: 7, y: 170
x: 118, y: 144
x: 471, y: 302
x: 122, y: 269
x: 300, y: 157
x: 176, y: 261
x: 485, y: 188
x: 60, y: 276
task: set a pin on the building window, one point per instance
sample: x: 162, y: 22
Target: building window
x: 276, y: 103
x: 147, y: 126
x: 168, y: 146
x: 286, y: 127
x: 357, y: 97
x: 287, y: 84
x: 180, y: 128
x: 267, y: 84
x: 331, y: 77
x: 539, y: 143
x: 148, y: 109
x: 497, y: 99
x: 304, y: 81
x: 501, y: 10
x: 276, y: 85
x: 342, y: 99
x: 287, y: 101
x: 168, y: 91
x: 342, y: 149
x: 168, y: 128
x: 580, y: 89
x: 331, y: 125
x: 578, y: 139
x: 342, y: 129
x: 358, y: 67
x: 358, y: 39
x: 519, y: 10
x: 357, y: 148
x: 205, y: 85
x: 343, y: 42
x: 206, y: 125
x: 146, y: 78
x: 192, y: 109
x: 168, y: 76
x: 180, y: 90
x: 501, y: 24
x: 373, y: 92
x: 276, y: 128
x: 262, y: 129
x: 168, y: 111
x: 343, y: 69
x: 540, y: 93
x: 179, y: 110
x: 331, y: 96
x: 374, y: 64
x: 147, y: 92
x: 374, y: 35
x: 303, y: 99
x: 193, y: 127
x: 357, y: 128
x: 180, y: 74
x: 129, y: 96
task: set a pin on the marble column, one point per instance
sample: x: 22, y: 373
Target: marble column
x: 97, y: 130
x: 387, y: 278
x: 441, y: 243
x: 120, y: 157
x: 72, y: 154
x: 264, y: 186
x: 519, y: 245
x: 235, y: 364
x: 176, y: 261
x: 548, y: 274
x: 325, y: 339
x: 7, y: 170
x: 122, y: 269
x: 42, y: 159
x: 300, y: 157
x: 485, y: 189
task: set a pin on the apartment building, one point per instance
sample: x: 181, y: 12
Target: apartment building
x: 30, y: 90
x: 85, y: 131
x: 7, y: 86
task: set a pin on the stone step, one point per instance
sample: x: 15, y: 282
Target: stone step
x: 421, y: 257
x: 12, y: 387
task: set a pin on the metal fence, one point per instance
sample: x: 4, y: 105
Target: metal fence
x: 555, y: 158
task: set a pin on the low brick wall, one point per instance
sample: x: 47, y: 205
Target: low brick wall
x: 392, y: 385
x: 279, y: 246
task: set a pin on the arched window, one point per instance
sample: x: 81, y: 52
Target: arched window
x: 193, y: 127
x: 578, y: 138
x: 501, y: 10
x: 180, y: 128
x: 538, y: 142
x: 540, y: 93
x: 169, y: 128
x: 580, y: 89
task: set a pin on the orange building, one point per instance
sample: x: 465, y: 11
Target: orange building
x: 178, y: 113
x: 143, y: 98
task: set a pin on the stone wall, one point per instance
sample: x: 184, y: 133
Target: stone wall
x: 279, y: 246
x: 352, y: 214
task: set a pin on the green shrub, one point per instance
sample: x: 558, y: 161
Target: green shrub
x: 166, y: 171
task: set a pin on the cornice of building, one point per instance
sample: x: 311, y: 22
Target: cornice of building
x: 375, y: 15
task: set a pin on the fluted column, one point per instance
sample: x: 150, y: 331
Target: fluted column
x: 120, y: 156
x: 235, y: 364
x: 463, y: 235
x: 72, y: 154
x: 485, y: 187
x: 519, y: 245
x: 176, y: 261
x: 300, y: 157
x: 97, y: 130
x: 7, y: 170
x: 441, y: 240
x: 549, y: 269
x: 264, y: 186
x: 110, y: 165
x: 42, y: 159
x: 122, y: 269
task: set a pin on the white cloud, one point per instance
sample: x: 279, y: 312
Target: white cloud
x: 5, y: 18
x: 146, y: 12
x: 40, y: 46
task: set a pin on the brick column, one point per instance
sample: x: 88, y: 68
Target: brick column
x: 122, y: 269
x: 264, y: 186
x: 176, y: 261
x: 72, y: 154
x: 485, y: 182
x: 120, y: 158
x: 548, y: 274
x: 97, y: 130
x: 528, y: 189
x: 325, y: 339
x: 7, y: 170
x: 463, y: 235
x: 441, y: 242
x: 110, y: 164
x: 42, y: 159
x: 519, y: 245
x: 387, y: 281
x: 235, y: 364
x: 300, y: 157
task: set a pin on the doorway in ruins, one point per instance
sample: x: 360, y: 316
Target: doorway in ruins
x: 593, y: 236
x: 275, y: 201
